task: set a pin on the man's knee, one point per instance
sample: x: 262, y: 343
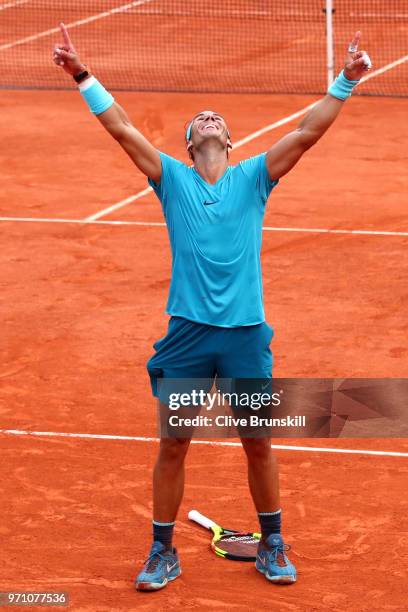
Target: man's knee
x: 173, y: 449
x: 257, y: 449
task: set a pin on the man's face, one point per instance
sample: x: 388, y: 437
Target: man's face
x: 208, y: 124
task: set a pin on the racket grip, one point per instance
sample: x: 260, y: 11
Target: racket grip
x: 199, y: 518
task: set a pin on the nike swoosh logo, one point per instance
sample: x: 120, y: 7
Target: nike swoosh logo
x: 264, y: 386
x: 209, y: 203
x: 170, y: 567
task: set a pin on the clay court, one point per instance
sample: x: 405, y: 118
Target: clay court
x: 85, y: 266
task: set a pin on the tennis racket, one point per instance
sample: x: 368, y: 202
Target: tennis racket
x: 229, y: 543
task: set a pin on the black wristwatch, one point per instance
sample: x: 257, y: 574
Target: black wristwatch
x: 78, y: 78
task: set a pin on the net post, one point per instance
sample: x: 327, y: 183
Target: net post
x: 329, y: 42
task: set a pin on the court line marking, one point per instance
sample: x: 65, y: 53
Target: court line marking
x: 59, y: 434
x: 13, y: 4
x: 74, y: 24
x: 379, y: 71
x: 267, y: 228
x: 243, y: 141
x: 121, y: 204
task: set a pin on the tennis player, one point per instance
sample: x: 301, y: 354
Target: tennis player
x: 214, y: 213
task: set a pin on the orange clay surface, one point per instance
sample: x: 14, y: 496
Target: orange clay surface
x: 81, y: 306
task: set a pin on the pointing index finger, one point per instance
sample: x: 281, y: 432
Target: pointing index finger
x: 353, y: 46
x: 67, y: 39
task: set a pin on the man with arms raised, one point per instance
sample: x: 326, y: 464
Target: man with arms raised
x: 214, y: 214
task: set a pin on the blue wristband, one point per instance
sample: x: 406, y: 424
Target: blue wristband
x: 96, y: 96
x: 342, y: 87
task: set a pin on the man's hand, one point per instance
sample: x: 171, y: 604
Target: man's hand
x: 65, y: 55
x: 357, y: 62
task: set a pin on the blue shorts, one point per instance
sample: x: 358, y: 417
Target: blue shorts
x: 196, y: 351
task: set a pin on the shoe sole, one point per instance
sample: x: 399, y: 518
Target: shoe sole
x: 155, y: 586
x: 290, y: 579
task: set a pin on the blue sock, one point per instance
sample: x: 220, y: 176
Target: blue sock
x: 163, y: 532
x: 270, y: 522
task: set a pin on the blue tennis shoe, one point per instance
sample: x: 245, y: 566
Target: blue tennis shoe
x: 161, y: 567
x: 272, y: 561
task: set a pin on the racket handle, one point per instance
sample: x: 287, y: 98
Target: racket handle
x: 199, y: 518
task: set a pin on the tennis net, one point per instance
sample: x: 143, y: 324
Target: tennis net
x: 255, y: 46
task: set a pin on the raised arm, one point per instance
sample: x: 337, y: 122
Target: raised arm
x: 284, y: 154
x: 114, y: 118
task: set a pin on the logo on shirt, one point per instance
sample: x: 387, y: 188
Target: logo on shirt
x: 208, y: 203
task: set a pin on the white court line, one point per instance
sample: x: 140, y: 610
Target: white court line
x: 275, y: 125
x: 73, y: 24
x: 12, y: 4
x: 379, y: 71
x: 118, y: 205
x: 81, y: 221
x: 238, y: 144
x: 266, y: 228
x: 59, y: 434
